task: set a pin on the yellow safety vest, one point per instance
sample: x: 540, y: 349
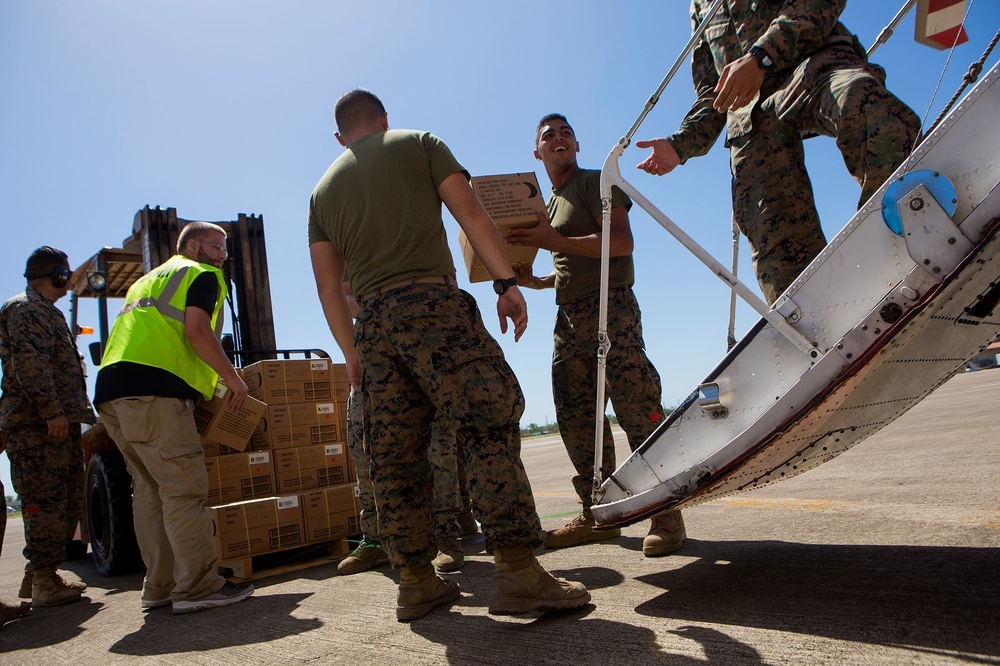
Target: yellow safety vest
x: 149, y: 329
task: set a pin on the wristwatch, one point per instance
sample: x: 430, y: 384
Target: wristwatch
x: 763, y: 59
x: 501, y: 286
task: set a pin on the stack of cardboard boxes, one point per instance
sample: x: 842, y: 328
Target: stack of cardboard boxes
x: 286, y: 479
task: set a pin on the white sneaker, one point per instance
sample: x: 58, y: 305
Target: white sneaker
x: 228, y: 594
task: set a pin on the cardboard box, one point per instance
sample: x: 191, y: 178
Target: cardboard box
x: 216, y: 422
x: 298, y: 424
x: 307, y: 467
x: 331, y: 513
x: 213, y: 449
x: 290, y: 381
x: 299, y: 435
x: 341, y: 385
x: 257, y: 526
x: 240, y: 476
x: 513, y: 201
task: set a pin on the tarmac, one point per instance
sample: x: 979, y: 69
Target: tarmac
x: 888, y: 554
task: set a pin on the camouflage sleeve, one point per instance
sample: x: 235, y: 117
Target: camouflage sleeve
x: 31, y: 339
x: 702, y: 124
x: 802, y: 26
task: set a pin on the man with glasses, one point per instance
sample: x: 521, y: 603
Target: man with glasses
x: 44, y: 401
x: 163, y: 354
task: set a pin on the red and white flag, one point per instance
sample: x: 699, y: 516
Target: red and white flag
x: 939, y: 23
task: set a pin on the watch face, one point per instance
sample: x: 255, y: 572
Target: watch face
x: 498, y: 287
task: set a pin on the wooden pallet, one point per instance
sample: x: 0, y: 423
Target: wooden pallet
x: 256, y: 567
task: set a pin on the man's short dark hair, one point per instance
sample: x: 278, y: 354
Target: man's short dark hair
x: 43, y: 260
x: 356, y: 107
x: 546, y: 119
x: 197, y: 231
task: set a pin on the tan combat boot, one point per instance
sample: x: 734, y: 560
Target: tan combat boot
x: 468, y: 523
x: 450, y: 555
x: 523, y: 586
x: 49, y: 589
x: 666, y: 534
x: 13, y: 611
x: 421, y: 591
x: 29, y: 577
x: 25, y: 591
x: 577, y: 531
x: 368, y: 554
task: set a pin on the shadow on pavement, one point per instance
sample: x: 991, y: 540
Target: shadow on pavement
x: 48, y: 626
x: 474, y: 639
x: 935, y: 599
x: 260, y: 619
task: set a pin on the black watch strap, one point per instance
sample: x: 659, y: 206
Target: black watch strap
x: 763, y: 59
x: 501, y: 286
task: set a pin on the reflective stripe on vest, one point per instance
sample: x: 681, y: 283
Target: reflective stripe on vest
x: 162, y: 304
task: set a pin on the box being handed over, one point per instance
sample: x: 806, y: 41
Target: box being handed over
x: 513, y: 201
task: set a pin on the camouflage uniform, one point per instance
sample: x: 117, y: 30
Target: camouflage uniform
x: 43, y: 380
x: 449, y: 473
x: 3, y: 515
x: 449, y: 477
x: 362, y: 465
x: 821, y: 83
x: 633, y: 384
x: 425, y: 350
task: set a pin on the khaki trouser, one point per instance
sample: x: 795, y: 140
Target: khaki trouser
x: 163, y: 453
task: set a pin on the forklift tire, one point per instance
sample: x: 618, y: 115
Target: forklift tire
x: 109, y: 515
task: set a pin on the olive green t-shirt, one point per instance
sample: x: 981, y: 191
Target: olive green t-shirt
x: 378, y: 204
x: 575, y: 211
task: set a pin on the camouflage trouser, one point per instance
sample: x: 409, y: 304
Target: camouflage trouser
x: 632, y: 383
x: 48, y: 475
x: 450, y: 496
x: 426, y: 354
x: 772, y: 194
x: 3, y: 515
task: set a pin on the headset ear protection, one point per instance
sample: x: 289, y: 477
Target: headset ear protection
x: 59, y: 275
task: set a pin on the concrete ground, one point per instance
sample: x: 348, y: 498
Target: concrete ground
x: 886, y: 555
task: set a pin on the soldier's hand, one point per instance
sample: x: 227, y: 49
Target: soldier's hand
x: 739, y: 84
x: 240, y: 391
x: 663, y: 160
x: 354, y: 370
x: 58, y: 427
x: 511, y: 305
x: 542, y: 236
x: 525, y: 278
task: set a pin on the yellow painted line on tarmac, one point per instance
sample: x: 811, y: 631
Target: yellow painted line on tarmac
x: 794, y: 503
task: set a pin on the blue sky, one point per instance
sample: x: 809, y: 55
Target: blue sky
x: 222, y: 107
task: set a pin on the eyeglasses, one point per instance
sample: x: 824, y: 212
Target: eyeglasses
x: 221, y: 247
